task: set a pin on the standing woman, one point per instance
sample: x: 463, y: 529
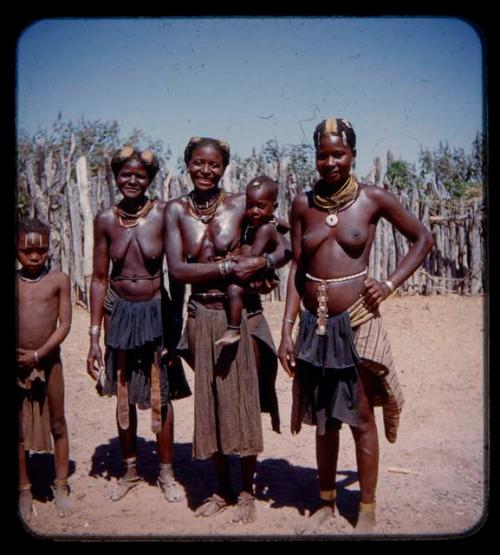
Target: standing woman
x: 204, y: 227
x: 341, y: 362
x: 132, y: 300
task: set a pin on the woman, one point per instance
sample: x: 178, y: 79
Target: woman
x: 203, y: 228
x: 341, y: 362
x: 132, y: 301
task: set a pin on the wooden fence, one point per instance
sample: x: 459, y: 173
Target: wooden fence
x: 68, y: 196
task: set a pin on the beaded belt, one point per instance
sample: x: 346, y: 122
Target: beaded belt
x: 323, y: 298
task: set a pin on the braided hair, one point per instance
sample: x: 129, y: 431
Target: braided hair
x: 335, y: 126
x: 146, y: 157
x: 196, y: 142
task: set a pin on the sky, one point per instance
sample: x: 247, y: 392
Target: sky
x: 403, y: 82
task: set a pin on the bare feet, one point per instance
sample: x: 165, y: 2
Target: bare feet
x: 171, y: 489
x: 245, y: 509
x: 212, y: 506
x: 25, y: 504
x: 229, y: 337
x: 366, y: 518
x: 64, y: 505
x: 316, y: 520
x: 123, y: 486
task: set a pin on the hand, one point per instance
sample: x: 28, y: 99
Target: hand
x: 94, y: 361
x: 286, y: 354
x: 247, y: 266
x: 374, y: 293
x: 26, y: 358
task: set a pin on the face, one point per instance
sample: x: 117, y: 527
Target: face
x: 32, y: 251
x: 260, y: 205
x: 334, y: 159
x: 205, y: 167
x: 132, y: 179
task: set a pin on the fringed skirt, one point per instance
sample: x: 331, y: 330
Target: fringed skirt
x: 325, y: 386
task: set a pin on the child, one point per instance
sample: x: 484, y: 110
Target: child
x: 259, y: 238
x: 44, y: 320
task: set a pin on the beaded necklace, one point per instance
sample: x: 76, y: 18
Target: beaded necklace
x: 340, y: 200
x: 206, y: 212
x: 34, y: 280
x: 134, y: 218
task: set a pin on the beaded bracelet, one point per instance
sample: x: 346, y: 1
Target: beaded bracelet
x: 36, y: 357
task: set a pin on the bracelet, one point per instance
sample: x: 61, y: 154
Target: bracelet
x: 289, y: 321
x: 36, y: 357
x: 95, y: 330
x: 225, y: 267
x: 390, y: 285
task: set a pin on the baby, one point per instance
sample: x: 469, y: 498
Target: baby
x: 259, y: 238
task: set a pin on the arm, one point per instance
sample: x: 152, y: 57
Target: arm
x: 407, y: 224
x: 177, y: 292
x: 286, y: 351
x: 266, y: 238
x: 27, y: 357
x: 98, y: 287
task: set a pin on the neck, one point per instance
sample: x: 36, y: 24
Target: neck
x: 325, y: 188
x: 133, y: 205
x: 33, y: 276
x: 203, y: 197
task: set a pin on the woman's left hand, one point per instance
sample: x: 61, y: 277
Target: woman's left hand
x: 26, y: 358
x: 375, y: 292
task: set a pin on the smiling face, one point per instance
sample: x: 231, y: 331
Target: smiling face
x: 260, y: 205
x: 132, y: 179
x: 32, y: 251
x: 205, y: 167
x: 334, y: 159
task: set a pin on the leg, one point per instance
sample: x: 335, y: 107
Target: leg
x: 128, y: 448
x: 234, y: 294
x: 327, y: 451
x: 224, y: 495
x: 55, y: 395
x: 25, y: 497
x: 171, y: 489
x: 367, y: 451
x: 245, y: 510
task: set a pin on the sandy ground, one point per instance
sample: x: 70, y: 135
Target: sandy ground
x: 432, y: 481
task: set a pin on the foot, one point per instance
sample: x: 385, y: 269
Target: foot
x: 171, y: 489
x: 316, y: 520
x: 123, y: 486
x: 229, y: 337
x: 26, y: 504
x: 245, y: 509
x: 366, y: 518
x: 212, y: 506
x: 64, y: 505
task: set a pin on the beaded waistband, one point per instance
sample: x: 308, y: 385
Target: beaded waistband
x: 336, y: 280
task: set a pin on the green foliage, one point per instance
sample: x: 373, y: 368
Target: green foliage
x: 401, y: 175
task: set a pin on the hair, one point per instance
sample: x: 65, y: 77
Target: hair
x: 196, y: 142
x: 335, y: 126
x: 266, y: 183
x: 33, y: 226
x: 146, y: 157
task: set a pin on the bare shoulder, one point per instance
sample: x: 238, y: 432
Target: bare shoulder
x: 374, y: 193
x: 176, y: 205
x: 60, y: 279
x: 160, y: 205
x: 104, y: 218
x: 300, y: 203
x: 269, y: 229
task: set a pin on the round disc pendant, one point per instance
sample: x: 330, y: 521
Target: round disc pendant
x: 331, y: 220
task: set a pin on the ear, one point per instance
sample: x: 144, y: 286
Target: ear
x: 275, y: 204
x: 353, y: 152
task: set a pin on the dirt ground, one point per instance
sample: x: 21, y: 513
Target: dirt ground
x: 432, y: 481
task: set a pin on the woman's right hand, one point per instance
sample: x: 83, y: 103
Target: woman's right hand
x: 286, y: 354
x: 94, y: 360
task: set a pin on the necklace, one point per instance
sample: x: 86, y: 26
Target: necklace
x: 342, y: 199
x: 33, y: 280
x: 206, y: 212
x: 133, y: 218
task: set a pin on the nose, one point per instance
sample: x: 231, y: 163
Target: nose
x: 330, y: 161
x: 205, y: 168
x: 132, y: 179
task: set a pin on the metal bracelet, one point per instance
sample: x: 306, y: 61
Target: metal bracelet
x: 289, y: 321
x: 95, y: 330
x: 390, y: 285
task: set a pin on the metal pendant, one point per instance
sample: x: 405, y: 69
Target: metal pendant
x: 331, y: 220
